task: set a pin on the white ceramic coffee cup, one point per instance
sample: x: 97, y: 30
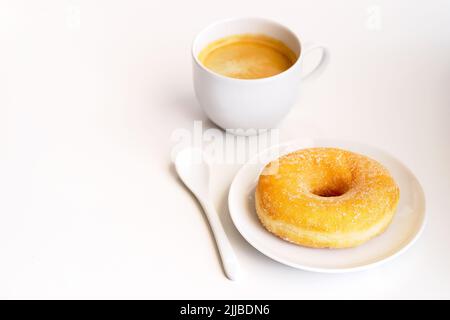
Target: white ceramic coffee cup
x: 250, y: 104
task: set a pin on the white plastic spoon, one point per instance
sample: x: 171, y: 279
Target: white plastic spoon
x: 194, y: 172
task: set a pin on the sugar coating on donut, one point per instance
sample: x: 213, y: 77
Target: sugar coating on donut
x: 326, y: 197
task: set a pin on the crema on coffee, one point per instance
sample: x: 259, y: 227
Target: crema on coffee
x: 247, y: 56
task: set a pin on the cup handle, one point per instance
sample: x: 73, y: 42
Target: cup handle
x: 320, y: 66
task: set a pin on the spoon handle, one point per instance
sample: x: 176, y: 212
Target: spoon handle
x: 229, y: 260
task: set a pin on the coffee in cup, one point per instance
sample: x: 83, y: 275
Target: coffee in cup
x: 247, y: 72
x: 247, y: 56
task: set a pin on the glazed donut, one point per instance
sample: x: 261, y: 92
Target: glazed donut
x: 326, y: 198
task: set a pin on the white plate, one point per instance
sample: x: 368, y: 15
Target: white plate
x: 405, y: 228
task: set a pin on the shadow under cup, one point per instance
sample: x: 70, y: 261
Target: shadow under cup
x: 246, y: 105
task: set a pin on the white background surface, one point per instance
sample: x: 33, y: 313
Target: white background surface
x: 91, y: 92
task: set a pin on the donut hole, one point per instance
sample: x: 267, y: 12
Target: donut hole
x: 330, y: 192
x: 331, y: 188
